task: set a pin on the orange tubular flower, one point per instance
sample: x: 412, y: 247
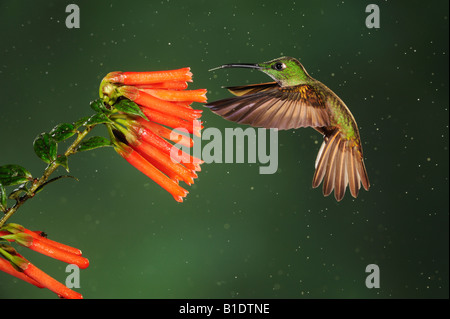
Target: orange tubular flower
x: 148, y: 136
x: 192, y: 127
x: 135, y: 159
x: 142, y: 78
x: 146, y: 140
x: 148, y: 100
x: 50, y: 250
x: 166, y: 133
x: 45, y: 280
x: 9, y: 269
x: 172, y: 85
x: 15, y: 228
x: 16, y: 265
x: 193, y: 95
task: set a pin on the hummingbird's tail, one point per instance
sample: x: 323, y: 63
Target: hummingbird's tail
x: 340, y: 163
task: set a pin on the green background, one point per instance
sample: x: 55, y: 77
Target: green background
x: 238, y: 234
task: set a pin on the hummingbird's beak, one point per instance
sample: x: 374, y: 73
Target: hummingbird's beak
x: 238, y: 65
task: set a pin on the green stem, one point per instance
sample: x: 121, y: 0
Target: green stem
x: 45, y: 176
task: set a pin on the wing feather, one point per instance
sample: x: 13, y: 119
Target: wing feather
x: 251, y: 89
x: 271, y: 106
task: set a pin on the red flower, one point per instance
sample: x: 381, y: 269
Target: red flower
x: 15, y: 264
x: 7, y: 267
x: 146, y: 141
x: 45, y: 280
x: 169, y: 184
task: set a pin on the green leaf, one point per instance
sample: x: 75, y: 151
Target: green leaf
x: 99, y: 106
x: 96, y: 105
x: 80, y: 122
x: 99, y: 118
x: 63, y: 161
x: 45, y: 147
x: 3, y: 204
x: 129, y: 107
x: 14, y: 174
x: 92, y: 143
x: 62, y: 131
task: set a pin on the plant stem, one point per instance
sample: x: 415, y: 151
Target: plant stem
x: 45, y: 176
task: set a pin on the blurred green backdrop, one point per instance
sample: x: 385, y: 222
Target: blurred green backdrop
x: 238, y: 234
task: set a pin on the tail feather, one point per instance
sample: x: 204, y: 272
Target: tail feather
x: 353, y: 176
x: 363, y: 174
x: 322, y: 165
x: 330, y: 175
x: 341, y: 172
x: 340, y: 163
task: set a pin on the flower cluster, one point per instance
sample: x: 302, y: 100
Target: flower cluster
x: 147, y: 114
x: 16, y: 265
x: 153, y: 111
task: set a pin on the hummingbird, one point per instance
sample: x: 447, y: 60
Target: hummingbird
x: 293, y: 100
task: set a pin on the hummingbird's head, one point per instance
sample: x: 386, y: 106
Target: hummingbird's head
x: 286, y: 71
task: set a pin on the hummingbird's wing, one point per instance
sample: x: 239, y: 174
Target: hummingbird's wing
x: 252, y: 88
x: 271, y: 106
x: 340, y: 163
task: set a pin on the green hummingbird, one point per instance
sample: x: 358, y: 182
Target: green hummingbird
x: 296, y: 100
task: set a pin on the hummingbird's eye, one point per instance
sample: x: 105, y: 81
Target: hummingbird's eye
x: 279, y: 66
